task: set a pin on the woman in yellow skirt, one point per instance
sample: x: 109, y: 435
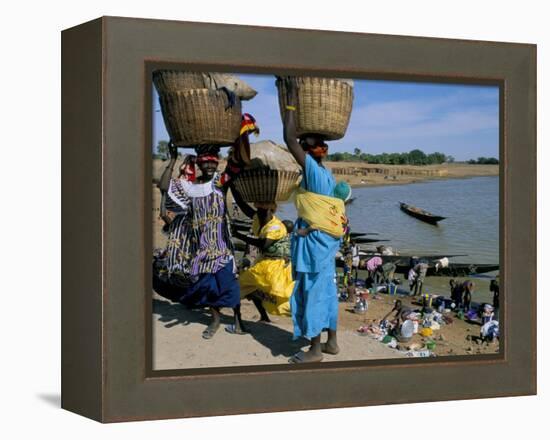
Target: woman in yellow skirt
x: 268, y: 283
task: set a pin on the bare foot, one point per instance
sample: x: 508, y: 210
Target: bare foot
x: 330, y: 347
x: 214, y: 325
x: 211, y: 330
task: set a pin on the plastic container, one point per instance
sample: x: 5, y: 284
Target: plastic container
x: 407, y: 329
x: 391, y: 288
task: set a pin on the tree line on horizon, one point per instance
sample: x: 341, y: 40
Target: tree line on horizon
x: 413, y: 157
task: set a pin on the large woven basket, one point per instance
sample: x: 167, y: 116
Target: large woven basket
x: 177, y: 80
x: 200, y: 117
x: 266, y: 185
x: 323, y: 106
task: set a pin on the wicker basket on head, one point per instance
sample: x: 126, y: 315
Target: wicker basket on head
x: 323, y: 106
x: 267, y: 185
x: 200, y: 117
x: 176, y: 80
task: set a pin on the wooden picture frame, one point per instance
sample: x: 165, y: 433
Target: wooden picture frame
x: 106, y: 214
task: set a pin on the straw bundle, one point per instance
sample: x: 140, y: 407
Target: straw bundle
x: 176, y: 80
x: 167, y: 81
x: 200, y: 117
x: 323, y: 106
x: 266, y: 185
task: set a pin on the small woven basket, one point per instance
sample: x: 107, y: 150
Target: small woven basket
x: 323, y: 106
x: 200, y: 117
x: 267, y: 185
x: 167, y: 81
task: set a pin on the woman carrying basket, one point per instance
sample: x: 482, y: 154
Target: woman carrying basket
x: 314, y: 301
x: 268, y: 283
x: 198, y: 267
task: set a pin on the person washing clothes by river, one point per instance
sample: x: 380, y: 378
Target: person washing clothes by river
x: 420, y: 268
x: 348, y: 266
x: 372, y: 266
x: 354, y: 260
x: 401, y: 315
x: 314, y: 301
x: 468, y: 289
x: 385, y: 272
x: 461, y: 293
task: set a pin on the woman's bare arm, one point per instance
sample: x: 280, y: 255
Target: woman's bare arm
x: 164, y: 182
x: 244, y: 207
x: 261, y: 243
x: 289, y: 123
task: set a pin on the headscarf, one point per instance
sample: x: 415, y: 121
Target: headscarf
x: 205, y: 153
x: 248, y: 125
x: 240, y: 152
x: 207, y: 157
x: 314, y: 146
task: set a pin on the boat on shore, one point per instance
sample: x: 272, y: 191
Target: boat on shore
x: 420, y: 214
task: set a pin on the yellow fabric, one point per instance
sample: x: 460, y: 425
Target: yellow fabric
x: 327, y: 214
x: 272, y: 230
x: 270, y: 278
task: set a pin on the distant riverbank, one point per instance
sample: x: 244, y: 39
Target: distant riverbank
x: 365, y: 174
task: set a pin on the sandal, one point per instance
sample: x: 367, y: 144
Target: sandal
x: 297, y: 358
x: 209, y: 333
x: 230, y: 328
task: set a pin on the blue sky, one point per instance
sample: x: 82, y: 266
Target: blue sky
x: 392, y: 116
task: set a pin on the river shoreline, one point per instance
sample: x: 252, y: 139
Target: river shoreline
x: 360, y: 175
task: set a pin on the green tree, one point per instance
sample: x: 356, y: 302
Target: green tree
x: 417, y: 157
x: 162, y: 150
x: 436, y: 158
x: 357, y: 152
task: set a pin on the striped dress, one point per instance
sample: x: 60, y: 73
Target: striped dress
x: 199, y: 247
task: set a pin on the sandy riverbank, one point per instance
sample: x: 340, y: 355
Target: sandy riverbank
x: 364, y: 174
x: 177, y: 341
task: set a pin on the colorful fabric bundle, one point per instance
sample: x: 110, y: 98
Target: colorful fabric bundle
x: 325, y: 213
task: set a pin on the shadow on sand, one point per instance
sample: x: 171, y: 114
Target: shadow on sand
x: 279, y: 341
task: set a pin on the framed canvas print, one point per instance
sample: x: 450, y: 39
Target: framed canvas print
x: 322, y: 219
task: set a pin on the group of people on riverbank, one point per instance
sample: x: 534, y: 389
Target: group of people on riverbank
x: 295, y: 272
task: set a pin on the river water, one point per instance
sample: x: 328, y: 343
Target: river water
x: 471, y: 206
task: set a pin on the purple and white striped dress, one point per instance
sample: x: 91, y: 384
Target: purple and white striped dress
x: 199, y: 240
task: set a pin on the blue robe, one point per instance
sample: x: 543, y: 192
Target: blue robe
x: 314, y: 301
